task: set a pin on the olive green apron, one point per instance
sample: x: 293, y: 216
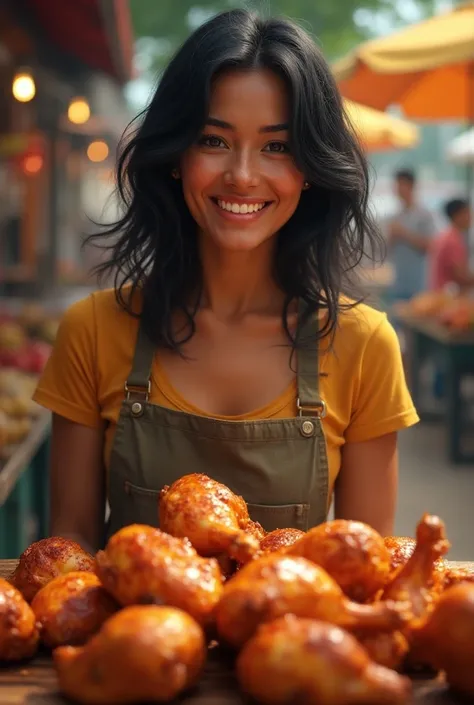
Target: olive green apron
x: 279, y: 466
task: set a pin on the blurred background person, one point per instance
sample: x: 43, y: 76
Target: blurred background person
x: 409, y: 234
x: 449, y: 254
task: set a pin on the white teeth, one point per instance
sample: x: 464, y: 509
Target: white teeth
x: 240, y: 208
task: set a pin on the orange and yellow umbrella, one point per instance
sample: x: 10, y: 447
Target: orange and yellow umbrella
x: 427, y: 68
x: 378, y: 131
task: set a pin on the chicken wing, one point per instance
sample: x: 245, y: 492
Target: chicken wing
x: 18, y: 632
x: 276, y: 584
x: 145, y: 653
x: 294, y: 660
x: 71, y: 608
x: 351, y: 552
x: 141, y: 564
x: 212, y: 517
x: 46, y: 559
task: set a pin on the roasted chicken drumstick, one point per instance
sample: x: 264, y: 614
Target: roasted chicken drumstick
x: 144, y: 653
x: 351, y: 552
x: 141, y: 564
x: 18, y: 632
x: 276, y: 584
x: 212, y: 517
x: 294, y: 660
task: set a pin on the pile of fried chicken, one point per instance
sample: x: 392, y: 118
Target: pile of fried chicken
x: 334, y: 616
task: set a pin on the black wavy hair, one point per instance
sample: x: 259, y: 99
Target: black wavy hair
x: 153, y: 246
x: 452, y: 207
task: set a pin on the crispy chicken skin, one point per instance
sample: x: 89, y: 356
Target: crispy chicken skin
x: 141, y: 564
x: 351, y: 552
x: 401, y: 549
x: 294, y: 660
x: 415, y: 582
x: 454, y: 575
x: 446, y: 641
x: 276, y: 584
x: 145, y: 653
x: 18, y: 632
x: 71, y: 608
x: 45, y: 560
x: 278, y: 539
x: 211, y: 516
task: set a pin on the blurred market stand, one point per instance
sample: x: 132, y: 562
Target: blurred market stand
x: 63, y: 68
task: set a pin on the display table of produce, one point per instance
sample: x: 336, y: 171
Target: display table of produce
x: 34, y: 682
x: 451, y: 349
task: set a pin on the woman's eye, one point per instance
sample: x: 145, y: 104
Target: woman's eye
x: 211, y: 141
x: 280, y: 147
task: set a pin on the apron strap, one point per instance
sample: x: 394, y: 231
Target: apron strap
x: 138, y: 385
x: 309, y: 402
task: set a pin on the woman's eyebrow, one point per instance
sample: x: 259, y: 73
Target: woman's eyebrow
x: 215, y: 122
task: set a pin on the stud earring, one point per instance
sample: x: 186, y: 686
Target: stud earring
x: 306, y: 185
x: 175, y: 174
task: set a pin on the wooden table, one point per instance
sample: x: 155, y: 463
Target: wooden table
x: 454, y: 354
x: 24, y: 491
x: 34, y: 683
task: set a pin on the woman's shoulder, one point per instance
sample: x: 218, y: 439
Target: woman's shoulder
x: 360, y: 321
x: 100, y: 309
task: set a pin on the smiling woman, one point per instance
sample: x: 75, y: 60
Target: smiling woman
x: 230, y: 325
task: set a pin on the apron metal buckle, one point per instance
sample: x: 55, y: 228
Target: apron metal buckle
x: 318, y: 410
x: 134, y: 392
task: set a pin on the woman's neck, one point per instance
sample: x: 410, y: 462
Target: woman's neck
x: 236, y: 284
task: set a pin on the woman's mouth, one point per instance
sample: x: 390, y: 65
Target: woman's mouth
x: 237, y: 210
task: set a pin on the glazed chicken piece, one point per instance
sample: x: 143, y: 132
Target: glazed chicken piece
x: 351, y: 552
x: 294, y: 660
x: 388, y: 649
x: 453, y: 575
x: 401, y: 549
x: 278, y: 539
x: 18, y: 632
x: 212, y: 517
x: 446, y: 640
x: 145, y: 653
x: 276, y: 584
x: 141, y: 564
x: 415, y: 581
x: 71, y: 608
x: 45, y: 560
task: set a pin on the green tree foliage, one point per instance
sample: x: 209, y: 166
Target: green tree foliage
x: 337, y: 25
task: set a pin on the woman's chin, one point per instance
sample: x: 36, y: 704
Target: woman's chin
x: 238, y: 240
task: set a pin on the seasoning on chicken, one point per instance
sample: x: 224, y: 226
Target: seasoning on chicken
x: 453, y: 575
x: 18, y: 632
x: 351, y: 552
x: 446, y: 640
x: 401, y: 549
x: 71, y: 608
x: 141, y: 564
x: 276, y: 584
x: 278, y: 539
x: 46, y: 559
x: 144, y: 653
x: 415, y: 581
x: 212, y: 517
x: 294, y: 660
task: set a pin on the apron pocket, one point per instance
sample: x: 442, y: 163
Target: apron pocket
x: 141, y: 505
x: 280, y: 516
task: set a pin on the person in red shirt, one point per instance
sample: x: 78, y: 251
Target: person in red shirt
x: 449, y: 254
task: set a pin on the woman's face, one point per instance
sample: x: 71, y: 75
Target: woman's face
x: 239, y: 181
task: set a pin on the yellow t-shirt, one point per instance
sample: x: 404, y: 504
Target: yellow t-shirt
x: 363, y: 383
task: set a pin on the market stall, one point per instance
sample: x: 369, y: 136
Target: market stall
x: 440, y: 329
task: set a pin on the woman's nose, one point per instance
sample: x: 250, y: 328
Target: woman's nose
x: 242, y: 172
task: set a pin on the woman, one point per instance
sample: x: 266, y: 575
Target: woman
x: 227, y: 346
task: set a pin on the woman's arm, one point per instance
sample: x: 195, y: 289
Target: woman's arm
x: 366, y: 488
x: 77, y: 483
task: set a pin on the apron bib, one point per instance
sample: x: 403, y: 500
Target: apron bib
x: 279, y: 466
